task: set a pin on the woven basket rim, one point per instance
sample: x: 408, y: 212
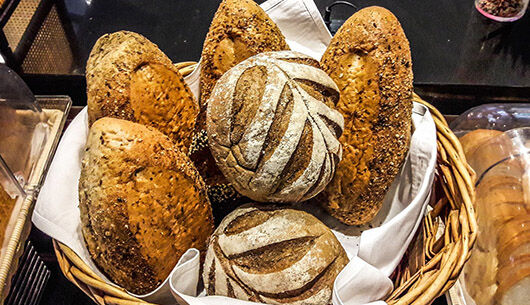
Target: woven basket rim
x: 442, y: 257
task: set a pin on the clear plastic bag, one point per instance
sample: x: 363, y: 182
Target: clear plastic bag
x: 498, y: 149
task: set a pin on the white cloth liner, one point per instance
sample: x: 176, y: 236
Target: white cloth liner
x: 374, y: 249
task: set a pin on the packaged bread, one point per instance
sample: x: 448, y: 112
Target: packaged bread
x: 273, y: 129
x: 271, y: 255
x: 128, y: 77
x: 503, y: 216
x: 142, y: 203
x: 369, y: 60
x: 239, y: 30
x: 7, y: 203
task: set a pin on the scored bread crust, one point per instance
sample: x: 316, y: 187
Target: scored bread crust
x: 130, y: 78
x: 239, y: 30
x: 369, y: 59
x: 142, y: 203
x: 273, y: 129
x: 275, y: 256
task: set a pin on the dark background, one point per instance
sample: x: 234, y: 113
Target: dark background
x: 455, y: 49
x: 451, y: 42
x: 461, y: 59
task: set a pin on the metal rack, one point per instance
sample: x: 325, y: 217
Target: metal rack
x: 36, y: 38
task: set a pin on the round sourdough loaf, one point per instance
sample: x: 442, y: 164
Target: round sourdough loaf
x: 369, y: 59
x: 128, y: 77
x: 272, y: 128
x: 274, y: 256
x: 142, y: 203
x: 239, y: 30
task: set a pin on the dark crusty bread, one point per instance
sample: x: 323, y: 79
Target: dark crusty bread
x: 129, y: 78
x: 272, y: 128
x: 369, y: 59
x: 274, y: 256
x: 142, y: 203
x: 239, y: 30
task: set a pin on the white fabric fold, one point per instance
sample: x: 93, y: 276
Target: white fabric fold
x: 374, y: 249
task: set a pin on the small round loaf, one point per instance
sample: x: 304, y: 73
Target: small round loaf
x: 369, y: 59
x: 129, y: 78
x: 239, y: 30
x: 272, y: 128
x: 274, y: 256
x: 142, y: 203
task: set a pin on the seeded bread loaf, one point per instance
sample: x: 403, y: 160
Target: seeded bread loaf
x: 142, y: 203
x: 129, y: 78
x: 239, y: 30
x: 369, y: 59
x: 272, y: 128
x: 274, y: 256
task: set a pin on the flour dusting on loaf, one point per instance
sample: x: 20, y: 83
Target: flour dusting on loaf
x: 272, y: 128
x: 239, y: 30
x: 275, y: 256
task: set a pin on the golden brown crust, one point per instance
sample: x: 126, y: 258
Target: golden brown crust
x: 160, y: 98
x: 239, y: 29
x: 128, y: 77
x: 369, y: 59
x: 473, y: 139
x: 142, y: 203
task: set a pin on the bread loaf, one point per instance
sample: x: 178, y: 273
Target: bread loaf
x: 129, y: 78
x: 272, y: 128
x: 473, y: 139
x: 239, y: 30
x: 502, y: 205
x: 369, y: 59
x: 142, y: 203
x: 274, y: 256
x: 514, y: 281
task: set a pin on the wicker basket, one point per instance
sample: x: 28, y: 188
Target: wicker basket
x: 432, y: 263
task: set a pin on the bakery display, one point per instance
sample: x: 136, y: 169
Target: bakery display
x: 498, y: 271
x: 239, y: 30
x: 129, y: 77
x: 369, y: 59
x: 274, y: 256
x: 269, y: 126
x: 142, y: 203
x: 272, y: 127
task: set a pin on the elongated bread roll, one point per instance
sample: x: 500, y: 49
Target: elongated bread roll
x: 369, y: 59
x: 129, y: 78
x: 239, y: 30
x: 142, y: 203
